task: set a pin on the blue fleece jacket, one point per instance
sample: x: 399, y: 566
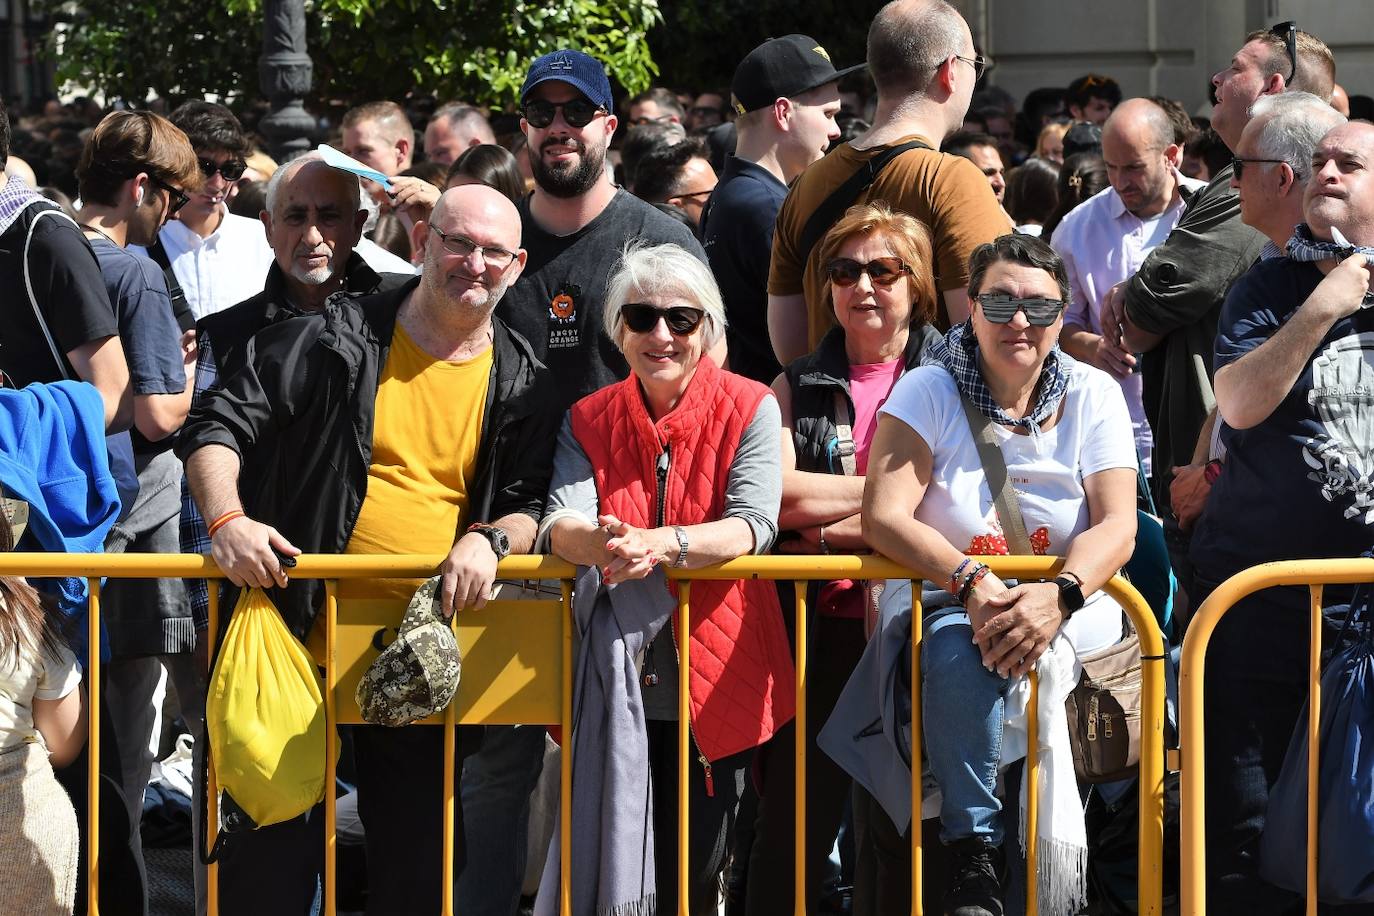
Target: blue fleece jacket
x: 53, y: 456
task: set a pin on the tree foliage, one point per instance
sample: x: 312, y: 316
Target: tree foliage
x: 477, y: 50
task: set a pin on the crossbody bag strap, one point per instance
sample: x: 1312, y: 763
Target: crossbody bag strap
x: 843, y: 197
x: 999, y: 483
x: 845, y: 449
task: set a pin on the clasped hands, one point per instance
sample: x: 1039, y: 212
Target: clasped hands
x: 1013, y: 627
x: 632, y: 553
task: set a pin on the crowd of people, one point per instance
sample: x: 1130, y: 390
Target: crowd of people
x: 881, y: 308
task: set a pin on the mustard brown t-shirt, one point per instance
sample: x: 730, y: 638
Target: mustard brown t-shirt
x: 945, y: 192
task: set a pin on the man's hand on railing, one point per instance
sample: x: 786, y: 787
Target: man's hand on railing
x: 467, y: 574
x: 249, y: 553
x: 1025, y: 619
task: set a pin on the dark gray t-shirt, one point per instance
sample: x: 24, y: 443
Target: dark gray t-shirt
x: 556, y: 304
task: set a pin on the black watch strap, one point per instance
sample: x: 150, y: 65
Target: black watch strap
x: 496, y: 537
x: 1070, y: 592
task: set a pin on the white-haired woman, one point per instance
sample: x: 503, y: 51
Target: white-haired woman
x: 678, y: 465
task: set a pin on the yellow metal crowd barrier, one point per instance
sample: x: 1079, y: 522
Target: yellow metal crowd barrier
x: 539, y: 690
x: 1192, y: 782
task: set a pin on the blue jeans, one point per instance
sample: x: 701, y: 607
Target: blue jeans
x: 962, y: 707
x: 496, y: 786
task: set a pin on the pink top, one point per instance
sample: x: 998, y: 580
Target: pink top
x: 869, y: 386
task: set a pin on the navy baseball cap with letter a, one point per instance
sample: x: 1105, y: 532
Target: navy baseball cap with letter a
x: 782, y: 68
x: 581, y: 71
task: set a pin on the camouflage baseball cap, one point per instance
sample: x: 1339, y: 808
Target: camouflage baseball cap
x: 417, y: 675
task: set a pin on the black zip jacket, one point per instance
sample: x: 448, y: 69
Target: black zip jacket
x: 299, y: 414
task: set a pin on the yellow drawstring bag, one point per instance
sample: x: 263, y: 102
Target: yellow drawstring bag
x: 265, y: 717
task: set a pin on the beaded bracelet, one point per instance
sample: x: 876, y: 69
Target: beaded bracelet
x: 971, y: 583
x: 954, y: 579
x: 223, y: 520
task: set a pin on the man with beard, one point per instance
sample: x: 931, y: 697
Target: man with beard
x: 410, y: 421
x: 575, y: 223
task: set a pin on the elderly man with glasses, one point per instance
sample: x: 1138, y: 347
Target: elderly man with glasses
x: 331, y: 434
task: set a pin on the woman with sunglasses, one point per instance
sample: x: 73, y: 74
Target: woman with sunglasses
x: 677, y: 466
x: 1065, y: 439
x: 878, y: 278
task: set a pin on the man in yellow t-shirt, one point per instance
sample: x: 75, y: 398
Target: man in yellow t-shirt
x: 410, y: 421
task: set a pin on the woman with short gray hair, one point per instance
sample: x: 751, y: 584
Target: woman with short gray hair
x: 677, y: 465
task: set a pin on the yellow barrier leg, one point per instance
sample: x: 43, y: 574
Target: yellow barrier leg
x: 1033, y: 797
x: 565, y: 761
x: 684, y: 747
x: 331, y: 742
x: 800, y: 747
x: 211, y: 784
x: 93, y: 751
x: 917, y: 877
x: 450, y: 764
x: 1314, y: 721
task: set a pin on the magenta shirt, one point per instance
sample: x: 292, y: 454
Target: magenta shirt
x: 869, y: 386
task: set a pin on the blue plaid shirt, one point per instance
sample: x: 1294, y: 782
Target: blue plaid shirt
x: 195, y: 537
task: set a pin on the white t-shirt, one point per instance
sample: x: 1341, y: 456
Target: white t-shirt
x: 46, y: 678
x: 1093, y: 434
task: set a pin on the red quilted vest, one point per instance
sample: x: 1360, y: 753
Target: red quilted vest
x: 741, y: 678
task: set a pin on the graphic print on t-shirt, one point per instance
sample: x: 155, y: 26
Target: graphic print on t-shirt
x: 1342, y: 396
x: 994, y: 543
x: 563, y: 332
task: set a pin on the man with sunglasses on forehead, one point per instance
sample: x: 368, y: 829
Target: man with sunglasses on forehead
x: 575, y: 223
x: 409, y: 421
x: 217, y: 258
x: 1167, y: 311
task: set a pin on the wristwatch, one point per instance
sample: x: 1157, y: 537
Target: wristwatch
x: 496, y: 537
x: 1070, y: 592
x: 681, y: 534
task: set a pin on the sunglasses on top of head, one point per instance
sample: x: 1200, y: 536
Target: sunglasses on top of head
x: 577, y: 112
x: 882, y: 272
x: 1288, y: 31
x: 1000, y: 308
x: 231, y: 169
x: 643, y: 318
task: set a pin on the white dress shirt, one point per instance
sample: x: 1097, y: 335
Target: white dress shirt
x: 1103, y: 243
x: 222, y: 270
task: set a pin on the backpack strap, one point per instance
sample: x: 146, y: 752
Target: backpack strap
x: 57, y: 356
x: 840, y: 200
x: 845, y: 449
x: 181, y: 308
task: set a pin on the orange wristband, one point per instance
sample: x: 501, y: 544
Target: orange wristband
x: 223, y: 520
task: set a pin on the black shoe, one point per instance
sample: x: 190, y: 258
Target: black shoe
x: 977, y: 888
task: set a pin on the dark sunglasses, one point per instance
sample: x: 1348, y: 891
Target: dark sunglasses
x: 999, y: 308
x: 1238, y: 165
x: 178, y: 197
x: 883, y: 272
x: 643, y: 318
x: 577, y: 112
x: 1288, y: 31
x: 231, y: 169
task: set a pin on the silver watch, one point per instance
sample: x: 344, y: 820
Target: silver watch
x: 681, y: 545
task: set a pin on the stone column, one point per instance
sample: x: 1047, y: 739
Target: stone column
x: 284, y: 73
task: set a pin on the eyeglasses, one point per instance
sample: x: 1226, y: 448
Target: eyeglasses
x: 1288, y: 31
x: 999, y: 308
x: 695, y: 194
x: 1238, y: 164
x: 178, y: 197
x: 577, y: 112
x: 231, y: 169
x: 494, y: 257
x: 883, y: 272
x: 979, y: 63
x: 639, y: 121
x: 643, y: 318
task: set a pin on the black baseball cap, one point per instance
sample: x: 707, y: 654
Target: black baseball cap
x: 782, y: 68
